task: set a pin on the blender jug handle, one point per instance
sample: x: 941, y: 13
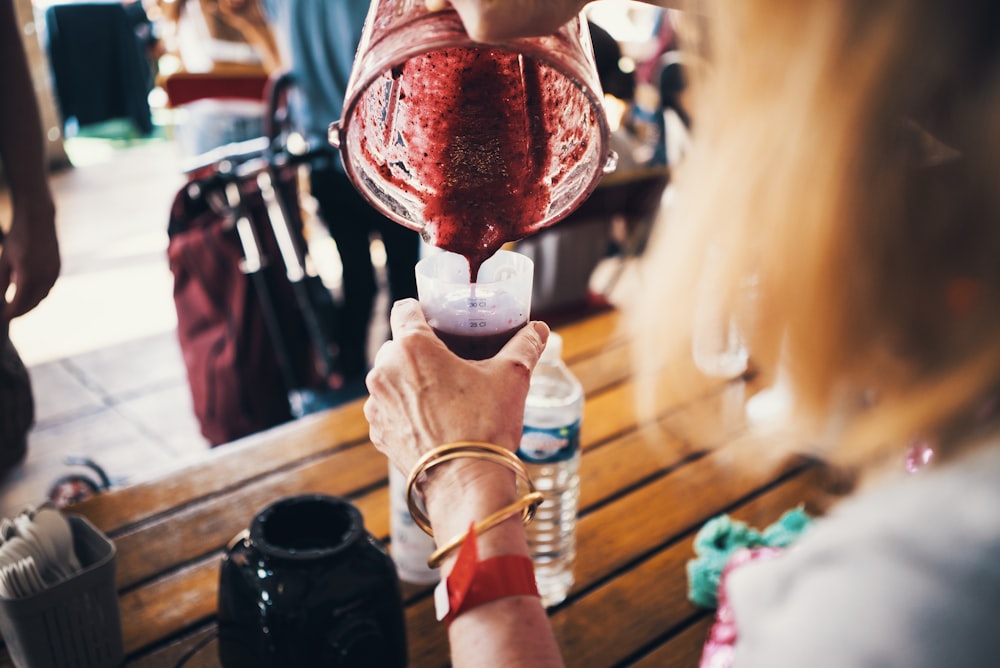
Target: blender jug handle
x: 610, y: 161
x: 333, y: 134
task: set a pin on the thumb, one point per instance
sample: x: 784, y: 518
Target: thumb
x: 526, y: 346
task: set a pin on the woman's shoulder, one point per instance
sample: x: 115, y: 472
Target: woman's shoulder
x: 902, y: 574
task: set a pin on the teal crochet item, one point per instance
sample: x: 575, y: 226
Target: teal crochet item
x: 716, y: 541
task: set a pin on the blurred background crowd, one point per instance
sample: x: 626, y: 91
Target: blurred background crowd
x: 133, y: 93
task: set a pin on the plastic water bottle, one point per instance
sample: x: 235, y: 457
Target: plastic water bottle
x: 550, y: 448
x: 409, y: 546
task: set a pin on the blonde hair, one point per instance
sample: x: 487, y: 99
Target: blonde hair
x: 846, y: 154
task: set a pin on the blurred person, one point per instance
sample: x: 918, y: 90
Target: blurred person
x: 320, y: 38
x: 224, y: 38
x: 674, y: 117
x: 566, y: 255
x: 846, y: 156
x: 29, y: 250
x: 621, y: 86
x: 211, y: 34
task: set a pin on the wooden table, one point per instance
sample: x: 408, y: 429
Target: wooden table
x: 645, y: 491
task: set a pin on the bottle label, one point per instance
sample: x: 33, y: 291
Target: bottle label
x: 410, y: 546
x: 554, y: 444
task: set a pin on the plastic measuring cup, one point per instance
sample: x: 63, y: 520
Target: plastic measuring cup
x: 471, y: 144
x: 475, y: 320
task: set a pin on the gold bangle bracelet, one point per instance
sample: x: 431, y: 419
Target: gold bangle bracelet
x: 459, y: 450
x: 527, y: 505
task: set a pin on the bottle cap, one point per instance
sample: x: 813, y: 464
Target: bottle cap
x: 553, y: 348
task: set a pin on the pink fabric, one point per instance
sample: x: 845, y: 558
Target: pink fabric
x: 720, y: 646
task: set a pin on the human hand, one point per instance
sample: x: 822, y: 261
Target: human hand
x: 241, y: 14
x: 422, y: 395
x: 29, y: 260
x: 498, y: 20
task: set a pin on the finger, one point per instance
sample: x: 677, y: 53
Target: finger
x: 498, y: 21
x: 383, y: 354
x: 371, y: 415
x: 406, y: 316
x: 526, y: 346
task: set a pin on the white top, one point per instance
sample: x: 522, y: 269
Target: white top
x: 907, y: 574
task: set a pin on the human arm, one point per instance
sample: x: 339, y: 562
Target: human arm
x: 423, y: 396
x: 498, y: 20
x: 30, y: 256
x: 248, y: 18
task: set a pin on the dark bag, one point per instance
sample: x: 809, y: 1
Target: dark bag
x: 240, y: 373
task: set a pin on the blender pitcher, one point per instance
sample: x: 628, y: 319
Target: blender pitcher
x: 472, y: 144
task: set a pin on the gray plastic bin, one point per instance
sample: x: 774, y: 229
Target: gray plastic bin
x: 75, y: 623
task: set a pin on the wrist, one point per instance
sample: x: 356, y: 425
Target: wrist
x: 464, y: 492
x: 475, y: 581
x: 35, y: 206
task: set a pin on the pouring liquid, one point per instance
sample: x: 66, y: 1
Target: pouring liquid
x: 467, y: 132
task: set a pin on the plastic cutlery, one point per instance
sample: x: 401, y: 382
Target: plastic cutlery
x: 57, y: 528
x: 45, y: 550
x: 31, y: 576
x: 12, y: 581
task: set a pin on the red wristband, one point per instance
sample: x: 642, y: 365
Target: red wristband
x: 472, y: 583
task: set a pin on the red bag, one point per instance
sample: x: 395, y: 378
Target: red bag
x: 239, y: 382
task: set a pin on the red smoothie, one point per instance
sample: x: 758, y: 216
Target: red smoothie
x: 472, y: 128
x: 472, y: 346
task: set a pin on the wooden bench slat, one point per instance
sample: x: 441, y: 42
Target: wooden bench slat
x: 611, y: 537
x: 683, y: 651
x: 169, y: 604
x: 234, y: 464
x: 240, y: 462
x: 645, y: 490
x: 650, y: 599
x: 207, y: 524
x: 615, y: 468
x: 146, y: 552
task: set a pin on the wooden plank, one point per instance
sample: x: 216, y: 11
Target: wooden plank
x: 424, y: 630
x: 241, y: 462
x: 208, y: 524
x: 616, y: 534
x: 606, y: 471
x: 216, y: 498
x: 206, y: 527
x: 172, y: 603
x: 584, y: 338
x: 236, y: 464
x: 683, y: 650
x: 646, y: 601
x: 626, y: 462
x: 606, y: 367
x: 183, y: 598
x: 614, y: 468
x: 198, y: 649
x: 198, y: 529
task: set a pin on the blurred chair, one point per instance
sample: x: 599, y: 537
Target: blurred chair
x: 216, y: 108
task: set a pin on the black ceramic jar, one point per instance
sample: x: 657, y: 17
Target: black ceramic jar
x: 307, y: 585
